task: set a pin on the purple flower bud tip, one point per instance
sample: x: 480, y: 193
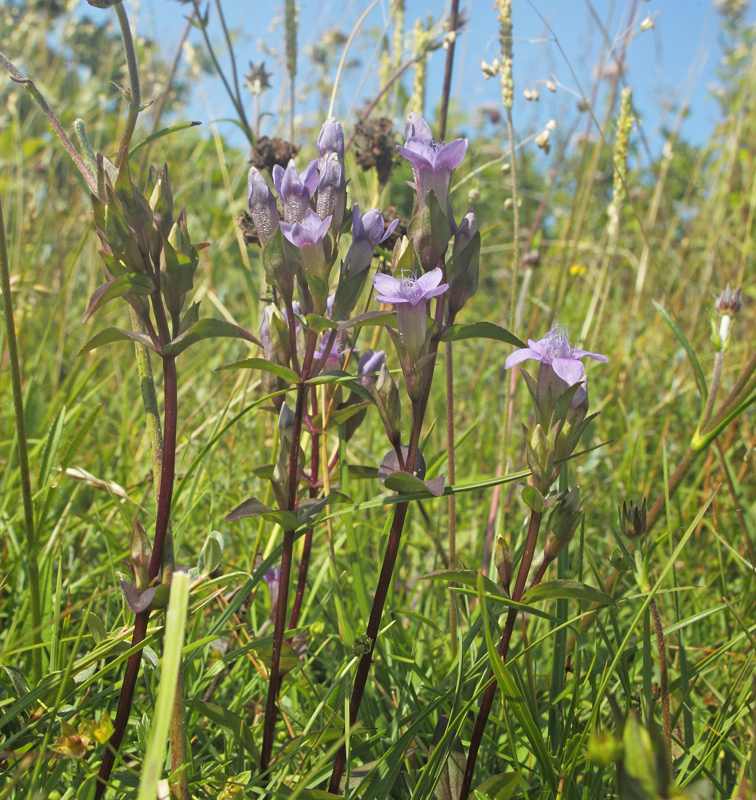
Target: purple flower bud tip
x: 370, y: 226
x: 729, y: 301
x: 310, y: 231
x: 410, y: 289
x: 418, y: 127
x: 294, y: 189
x: 555, y: 350
x: 331, y: 139
x: 468, y: 227
x: 370, y: 361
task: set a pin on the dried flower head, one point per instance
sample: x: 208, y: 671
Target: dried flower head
x: 269, y: 152
x: 375, y: 147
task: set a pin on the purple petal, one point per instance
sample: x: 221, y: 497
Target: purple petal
x: 451, y: 155
x: 391, y: 228
x: 417, y: 159
x: 309, y: 178
x: 290, y: 181
x: 386, y: 286
x: 430, y: 280
x: 594, y: 356
x: 358, y: 231
x: 278, y: 174
x: 521, y: 355
x: 428, y: 293
x: 372, y: 225
x: 568, y: 369
x: 536, y: 347
x: 418, y: 127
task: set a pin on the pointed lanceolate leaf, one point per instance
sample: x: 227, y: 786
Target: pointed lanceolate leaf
x: 254, y: 508
x: 403, y: 482
x: 574, y: 590
x: 207, y: 329
x: 132, y: 283
x: 480, y: 330
x: 136, y: 600
x: 320, y: 324
x: 110, y: 335
x: 369, y: 318
x: 190, y: 317
x: 265, y: 366
x: 309, y: 509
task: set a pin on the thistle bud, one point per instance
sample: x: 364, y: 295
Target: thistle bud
x: 386, y: 395
x: 462, y: 270
x: 633, y: 519
x: 262, y: 206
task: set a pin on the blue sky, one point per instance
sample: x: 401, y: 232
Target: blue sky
x: 556, y: 40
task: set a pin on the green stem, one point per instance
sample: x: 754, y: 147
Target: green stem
x: 485, y: 706
x: 664, y: 678
x: 32, y: 565
x: 516, y: 229
x: 135, y: 99
x: 715, y: 379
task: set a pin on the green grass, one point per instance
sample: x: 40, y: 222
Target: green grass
x: 557, y: 688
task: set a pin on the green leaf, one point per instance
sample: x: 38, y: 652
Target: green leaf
x: 254, y: 508
x: 207, y: 329
x: 404, y: 482
x: 309, y: 509
x: 533, y: 499
x: 480, y: 330
x: 369, y: 318
x: 320, y: 324
x: 96, y: 628
x: 700, y: 380
x: 233, y: 723
x: 500, y: 787
x: 336, y: 418
x: 131, y: 283
x: 159, y: 135
x: 211, y: 554
x: 75, y: 443
x: 110, y: 335
x: 289, y: 658
x: 264, y: 366
x: 573, y: 590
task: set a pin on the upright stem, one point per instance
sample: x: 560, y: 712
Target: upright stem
x: 32, y: 566
x: 135, y: 100
x: 271, y: 708
x: 448, y: 66
x: 662, y: 647
x: 161, y: 526
x: 715, y: 380
x: 485, y: 706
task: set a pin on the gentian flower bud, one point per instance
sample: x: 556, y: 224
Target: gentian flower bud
x: 367, y: 232
x: 274, y: 336
x: 411, y: 295
x: 386, y: 395
x: 262, y: 206
x: 331, y: 139
x: 504, y: 562
x: 728, y: 304
x: 462, y: 270
x: 331, y: 200
x: 370, y: 361
x: 563, y: 521
x: 294, y: 189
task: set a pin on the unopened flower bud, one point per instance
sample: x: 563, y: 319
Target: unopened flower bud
x: 140, y: 550
x: 729, y: 302
x: 386, y: 395
x: 530, y: 94
x: 371, y: 361
x: 504, y: 562
x: 331, y: 139
x: 633, y: 519
x: 563, y: 521
x: 543, y: 140
x: 462, y: 270
x: 262, y: 206
x: 551, y: 86
x: 331, y: 200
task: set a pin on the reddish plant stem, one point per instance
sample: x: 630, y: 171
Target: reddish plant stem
x: 271, y: 707
x: 488, y: 697
x: 161, y: 526
x: 304, y: 564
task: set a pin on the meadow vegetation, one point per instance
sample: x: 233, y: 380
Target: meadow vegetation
x: 625, y: 643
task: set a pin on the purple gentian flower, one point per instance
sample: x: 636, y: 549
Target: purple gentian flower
x: 308, y: 235
x: 370, y: 362
x: 262, y: 206
x: 294, y: 189
x: 432, y: 162
x: 410, y: 295
x: 556, y: 351
x: 368, y: 231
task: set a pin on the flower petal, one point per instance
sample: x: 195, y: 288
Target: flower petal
x: 430, y: 280
x: 417, y: 159
x: 568, y: 369
x: 372, y: 224
x: 519, y: 356
x: 391, y: 228
x: 278, y: 174
x: 417, y: 126
x: 594, y: 356
x: 451, y: 155
x: 309, y: 178
x: 358, y: 231
x: 386, y: 286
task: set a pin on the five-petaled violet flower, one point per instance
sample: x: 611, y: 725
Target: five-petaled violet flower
x: 410, y: 295
x: 432, y: 162
x: 294, y: 189
x: 368, y: 231
x: 308, y: 235
x: 556, y: 351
